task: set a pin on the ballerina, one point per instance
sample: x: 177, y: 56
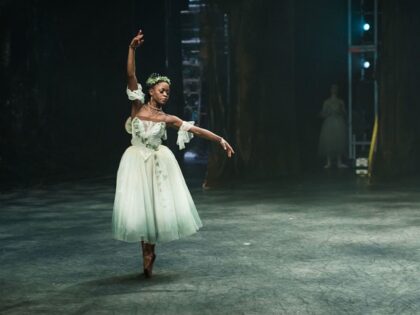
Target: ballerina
x: 152, y: 201
x: 332, y: 139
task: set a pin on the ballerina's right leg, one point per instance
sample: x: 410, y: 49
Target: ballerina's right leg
x: 149, y: 257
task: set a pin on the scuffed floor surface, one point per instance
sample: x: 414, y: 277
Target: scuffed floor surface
x: 330, y: 246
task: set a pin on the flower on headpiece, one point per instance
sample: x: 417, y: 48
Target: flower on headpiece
x: 157, y: 78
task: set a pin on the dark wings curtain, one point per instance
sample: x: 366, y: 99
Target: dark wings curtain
x: 399, y: 134
x: 260, y: 117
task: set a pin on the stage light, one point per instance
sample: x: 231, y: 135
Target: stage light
x: 366, y: 26
x: 366, y: 64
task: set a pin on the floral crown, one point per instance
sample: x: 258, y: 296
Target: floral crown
x: 156, y: 78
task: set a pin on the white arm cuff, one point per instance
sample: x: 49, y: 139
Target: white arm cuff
x: 183, y: 135
x: 136, y: 94
x: 128, y: 126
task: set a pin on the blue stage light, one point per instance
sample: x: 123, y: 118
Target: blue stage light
x: 366, y: 64
x: 366, y: 26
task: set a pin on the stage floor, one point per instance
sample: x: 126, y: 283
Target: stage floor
x: 328, y: 244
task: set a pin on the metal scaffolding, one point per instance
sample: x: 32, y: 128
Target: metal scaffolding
x: 363, y: 23
x: 191, y: 61
x: 191, y: 56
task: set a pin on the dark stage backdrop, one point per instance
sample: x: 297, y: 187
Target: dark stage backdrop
x: 285, y: 55
x: 399, y: 75
x: 62, y: 100
x: 62, y: 91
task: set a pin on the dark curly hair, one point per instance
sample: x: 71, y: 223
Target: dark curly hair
x: 152, y: 80
x: 156, y: 78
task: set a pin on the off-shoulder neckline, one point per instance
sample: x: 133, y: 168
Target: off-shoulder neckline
x: 141, y: 119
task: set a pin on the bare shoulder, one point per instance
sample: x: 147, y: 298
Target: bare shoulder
x: 173, y: 120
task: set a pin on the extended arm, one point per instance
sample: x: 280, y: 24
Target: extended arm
x: 176, y: 122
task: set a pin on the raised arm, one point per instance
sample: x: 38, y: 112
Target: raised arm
x: 131, y: 61
x: 178, y: 123
x: 132, y: 83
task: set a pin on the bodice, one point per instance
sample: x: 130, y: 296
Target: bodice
x: 149, y: 134
x: 333, y: 107
x: 145, y: 132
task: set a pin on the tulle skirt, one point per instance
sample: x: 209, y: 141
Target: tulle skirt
x: 152, y: 201
x: 333, y: 137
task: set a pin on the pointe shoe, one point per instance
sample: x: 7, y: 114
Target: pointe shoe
x: 327, y: 166
x: 341, y: 165
x: 149, y: 257
x: 146, y: 254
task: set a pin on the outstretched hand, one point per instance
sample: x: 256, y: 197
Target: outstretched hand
x: 226, y: 146
x: 137, y: 40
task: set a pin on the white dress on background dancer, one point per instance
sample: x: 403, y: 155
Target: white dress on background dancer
x: 333, y: 136
x: 152, y: 201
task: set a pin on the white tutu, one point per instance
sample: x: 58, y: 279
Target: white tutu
x: 152, y: 201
